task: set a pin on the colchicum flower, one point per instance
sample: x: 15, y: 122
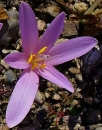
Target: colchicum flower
x: 38, y: 58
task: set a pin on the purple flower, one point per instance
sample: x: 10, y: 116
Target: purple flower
x: 38, y: 58
x: 1, y: 25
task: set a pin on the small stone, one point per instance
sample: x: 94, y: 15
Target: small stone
x: 74, y: 70
x: 7, y: 87
x: 7, y: 94
x: 5, y: 51
x: 75, y: 103
x: 47, y: 94
x: 57, y: 105
x: 60, y: 41
x: 50, y: 89
x: 79, y: 77
x: 88, y: 100
x: 53, y: 10
x: 33, y: 106
x: 80, y: 7
x: 70, y: 29
x: 18, y: 47
x: 56, y: 97
x: 47, y: 107
x: 39, y: 98
x: 96, y: 79
x: 41, y: 25
x: 96, y: 100
x: 10, y: 28
x: 3, y: 63
x: 10, y: 76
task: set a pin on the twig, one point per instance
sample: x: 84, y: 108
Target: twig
x: 90, y: 10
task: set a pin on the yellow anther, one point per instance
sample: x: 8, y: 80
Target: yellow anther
x: 34, y: 65
x: 42, y: 66
x: 31, y: 58
x: 42, y: 50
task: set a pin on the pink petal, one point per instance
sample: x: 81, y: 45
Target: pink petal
x: 17, y: 60
x: 22, y: 98
x: 53, y: 75
x: 28, y: 28
x: 1, y: 25
x: 52, y: 32
x: 70, y: 49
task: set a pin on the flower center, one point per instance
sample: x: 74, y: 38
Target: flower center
x: 37, y: 61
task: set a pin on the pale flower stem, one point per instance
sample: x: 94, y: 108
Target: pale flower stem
x: 89, y: 11
x: 97, y: 12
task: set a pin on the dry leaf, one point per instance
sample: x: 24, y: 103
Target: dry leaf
x: 3, y: 14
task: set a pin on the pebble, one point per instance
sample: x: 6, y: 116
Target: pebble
x: 75, y: 102
x: 80, y: 7
x: 56, y: 97
x: 96, y: 79
x: 50, y: 89
x: 10, y: 28
x: 33, y: 106
x: 39, y: 98
x: 5, y: 51
x: 47, y: 107
x: 79, y: 77
x: 47, y: 94
x: 41, y: 25
x: 96, y: 100
x: 7, y: 94
x: 60, y: 41
x: 53, y: 10
x: 57, y: 105
x: 10, y: 76
x: 74, y: 70
x: 88, y: 100
x: 70, y: 29
x: 7, y: 87
x: 3, y: 63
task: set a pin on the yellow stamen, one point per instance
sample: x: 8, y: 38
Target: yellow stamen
x: 42, y: 66
x: 34, y: 65
x: 31, y: 58
x: 42, y: 50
